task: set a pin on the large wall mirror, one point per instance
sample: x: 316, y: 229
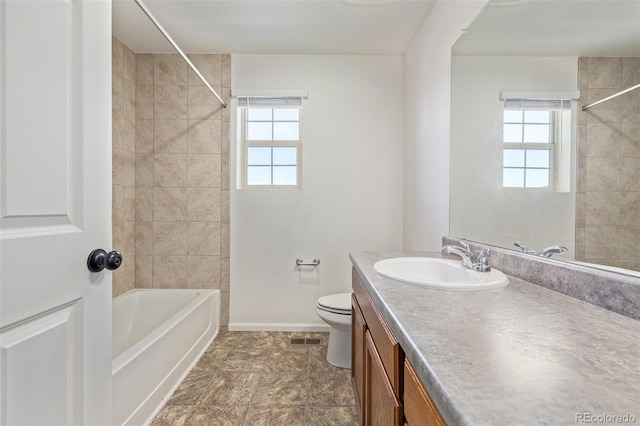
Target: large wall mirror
x: 527, y: 164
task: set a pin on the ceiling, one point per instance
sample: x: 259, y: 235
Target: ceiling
x: 271, y: 26
x: 505, y: 27
x: 554, y: 28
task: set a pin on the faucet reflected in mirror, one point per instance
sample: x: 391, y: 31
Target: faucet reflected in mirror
x: 546, y: 252
x: 598, y: 220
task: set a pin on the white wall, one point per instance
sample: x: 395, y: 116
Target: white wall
x: 481, y: 209
x: 351, y: 196
x: 427, y: 105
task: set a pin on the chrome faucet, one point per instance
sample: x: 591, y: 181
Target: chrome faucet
x: 547, y: 252
x: 476, y: 260
x: 550, y: 251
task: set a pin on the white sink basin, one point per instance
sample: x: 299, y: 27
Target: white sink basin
x: 439, y: 273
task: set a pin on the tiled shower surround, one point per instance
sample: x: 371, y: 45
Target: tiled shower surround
x: 179, y: 198
x: 608, y: 180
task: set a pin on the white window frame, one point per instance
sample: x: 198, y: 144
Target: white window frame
x: 555, y: 105
x: 531, y: 146
x: 245, y: 143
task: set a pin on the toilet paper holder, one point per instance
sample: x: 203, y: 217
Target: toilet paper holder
x: 300, y: 262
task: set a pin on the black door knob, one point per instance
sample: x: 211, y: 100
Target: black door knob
x: 99, y: 259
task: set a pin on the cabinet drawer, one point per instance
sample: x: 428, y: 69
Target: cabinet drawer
x: 387, y: 346
x: 419, y: 409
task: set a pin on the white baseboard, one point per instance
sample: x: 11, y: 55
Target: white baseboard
x: 278, y: 326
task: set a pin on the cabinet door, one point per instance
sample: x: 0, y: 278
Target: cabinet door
x: 419, y: 409
x: 382, y: 408
x: 358, y: 330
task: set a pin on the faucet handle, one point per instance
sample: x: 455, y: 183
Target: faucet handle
x: 482, y: 260
x: 464, y: 245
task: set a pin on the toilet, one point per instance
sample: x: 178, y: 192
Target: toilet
x: 335, y: 310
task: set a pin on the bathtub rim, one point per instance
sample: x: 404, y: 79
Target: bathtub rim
x: 119, y: 362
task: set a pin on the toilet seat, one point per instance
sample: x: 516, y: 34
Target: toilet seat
x: 335, y: 303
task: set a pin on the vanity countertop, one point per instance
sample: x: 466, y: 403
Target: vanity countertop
x: 517, y: 355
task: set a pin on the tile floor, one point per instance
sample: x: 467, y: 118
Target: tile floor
x: 259, y: 378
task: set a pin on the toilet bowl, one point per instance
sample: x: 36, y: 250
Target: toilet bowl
x: 335, y: 310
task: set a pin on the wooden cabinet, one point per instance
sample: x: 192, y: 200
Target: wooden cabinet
x: 382, y: 407
x: 383, y: 382
x: 419, y: 409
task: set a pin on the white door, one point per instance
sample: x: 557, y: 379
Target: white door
x: 55, y: 207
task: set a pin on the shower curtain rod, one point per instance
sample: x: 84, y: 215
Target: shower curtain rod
x: 175, y: 46
x: 615, y: 95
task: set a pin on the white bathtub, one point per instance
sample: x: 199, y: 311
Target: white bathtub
x: 158, y: 336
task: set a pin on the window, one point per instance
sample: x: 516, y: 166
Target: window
x: 532, y: 129
x: 271, y: 144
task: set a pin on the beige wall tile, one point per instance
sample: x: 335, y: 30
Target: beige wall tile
x: 170, y: 102
x: 117, y: 56
x: 605, y: 73
x: 630, y: 72
x: 117, y: 129
x: 602, y: 208
x: 203, y: 271
x: 601, y: 242
x: 169, y: 69
x: 630, y: 174
x: 603, y: 174
x: 170, y: 204
x: 581, y: 176
x: 117, y: 203
x: 144, y: 238
x: 225, y: 210
x: 144, y: 69
x: 144, y: 170
x: 129, y: 65
x: 144, y: 204
x: 204, y: 204
x: 224, y: 309
x: 144, y: 271
x: 202, y: 104
x: 226, y: 70
x: 630, y: 208
x: 144, y: 102
x: 169, y: 271
x: 204, y: 170
x: 226, y: 112
x: 630, y: 107
x: 204, y: 136
x: 129, y: 203
x: 203, y: 238
x: 129, y: 173
x: 630, y: 141
x: 129, y: 239
x: 225, y: 172
x: 630, y: 243
x: 144, y: 136
x: 129, y: 133
x: 225, y: 232
x: 581, y: 210
x: 117, y: 235
x: 170, y: 137
x: 224, y: 144
x: 117, y: 165
x: 580, y: 242
x: 129, y: 98
x: 606, y: 112
x: 170, y: 238
x: 170, y: 170
x: 225, y: 268
x: 603, y: 140
x: 117, y: 93
x: 209, y: 66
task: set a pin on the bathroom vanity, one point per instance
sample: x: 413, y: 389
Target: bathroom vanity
x: 519, y: 354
